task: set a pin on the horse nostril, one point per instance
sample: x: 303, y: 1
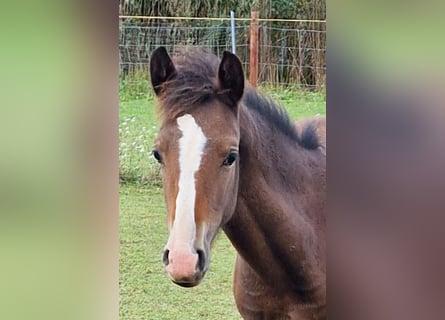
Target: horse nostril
x: 201, y: 260
x: 165, y: 257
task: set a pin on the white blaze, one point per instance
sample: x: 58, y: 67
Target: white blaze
x: 191, y: 148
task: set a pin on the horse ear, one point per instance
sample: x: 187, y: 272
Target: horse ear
x: 231, y: 78
x: 161, y: 68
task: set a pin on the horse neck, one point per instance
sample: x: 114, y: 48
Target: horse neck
x: 271, y: 228
x: 272, y: 162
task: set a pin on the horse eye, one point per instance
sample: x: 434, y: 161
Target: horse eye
x: 230, y: 159
x: 157, y: 156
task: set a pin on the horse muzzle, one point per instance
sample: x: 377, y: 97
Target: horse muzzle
x: 185, y: 266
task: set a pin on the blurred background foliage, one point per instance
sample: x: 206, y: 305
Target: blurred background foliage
x: 291, y: 53
x: 282, y: 9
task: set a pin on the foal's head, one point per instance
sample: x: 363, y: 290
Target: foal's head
x: 197, y: 147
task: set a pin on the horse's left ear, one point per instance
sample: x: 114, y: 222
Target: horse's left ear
x: 230, y: 78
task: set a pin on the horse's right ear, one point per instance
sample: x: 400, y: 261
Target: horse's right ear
x: 161, y: 68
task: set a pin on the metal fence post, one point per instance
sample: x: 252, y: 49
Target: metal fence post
x: 232, y: 30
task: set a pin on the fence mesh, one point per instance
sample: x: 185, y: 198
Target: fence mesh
x: 290, y: 53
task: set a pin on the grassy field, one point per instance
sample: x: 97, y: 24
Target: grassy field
x: 145, y: 291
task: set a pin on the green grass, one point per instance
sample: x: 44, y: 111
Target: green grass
x: 145, y: 291
x: 299, y: 104
x: 137, y: 130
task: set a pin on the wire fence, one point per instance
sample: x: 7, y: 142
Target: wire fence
x: 291, y: 53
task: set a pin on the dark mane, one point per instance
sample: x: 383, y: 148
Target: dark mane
x: 195, y: 83
x: 276, y: 115
x: 309, y: 138
x: 270, y: 111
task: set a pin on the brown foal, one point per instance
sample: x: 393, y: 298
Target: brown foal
x: 232, y: 159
